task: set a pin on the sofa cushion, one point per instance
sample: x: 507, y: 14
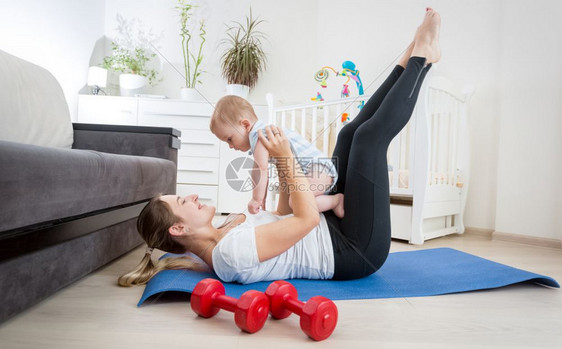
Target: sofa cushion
x: 33, y: 108
x: 41, y: 184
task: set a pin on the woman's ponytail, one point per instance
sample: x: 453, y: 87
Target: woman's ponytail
x: 146, y: 269
x: 140, y: 275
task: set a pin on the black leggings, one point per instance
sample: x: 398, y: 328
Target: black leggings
x: 361, y: 240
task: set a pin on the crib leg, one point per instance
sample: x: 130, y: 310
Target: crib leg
x: 459, y: 222
x: 417, y: 236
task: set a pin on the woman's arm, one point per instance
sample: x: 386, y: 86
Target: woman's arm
x: 283, y: 207
x: 275, y: 238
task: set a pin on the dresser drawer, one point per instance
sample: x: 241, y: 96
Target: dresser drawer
x: 194, y: 170
x: 207, y: 193
x: 179, y: 122
x: 201, y: 143
x: 177, y: 114
x: 107, y: 110
x: 175, y: 107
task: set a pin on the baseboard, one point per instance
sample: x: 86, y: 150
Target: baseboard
x: 479, y: 231
x: 528, y: 240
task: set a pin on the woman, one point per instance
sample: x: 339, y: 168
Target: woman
x: 305, y: 244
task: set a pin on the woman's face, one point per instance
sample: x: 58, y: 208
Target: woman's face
x: 190, y: 210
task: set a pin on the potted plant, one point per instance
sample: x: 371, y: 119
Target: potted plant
x: 244, y: 59
x: 191, y: 61
x: 132, y: 57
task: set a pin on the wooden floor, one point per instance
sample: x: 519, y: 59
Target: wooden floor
x: 95, y: 313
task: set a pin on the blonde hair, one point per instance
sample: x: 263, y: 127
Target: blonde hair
x: 231, y: 109
x: 152, y: 224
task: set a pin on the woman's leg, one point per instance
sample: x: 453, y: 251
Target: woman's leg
x: 345, y: 136
x: 364, y: 240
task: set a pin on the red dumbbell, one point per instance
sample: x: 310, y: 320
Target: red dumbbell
x: 319, y: 315
x: 250, y: 311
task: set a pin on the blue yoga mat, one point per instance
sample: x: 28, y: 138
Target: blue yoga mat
x: 405, y: 274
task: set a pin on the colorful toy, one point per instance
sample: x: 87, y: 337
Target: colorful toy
x: 250, y: 311
x: 349, y: 71
x: 317, y: 98
x: 318, y: 316
x: 344, y: 117
x: 345, y: 91
x: 321, y: 76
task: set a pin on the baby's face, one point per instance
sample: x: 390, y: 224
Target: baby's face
x: 235, y: 135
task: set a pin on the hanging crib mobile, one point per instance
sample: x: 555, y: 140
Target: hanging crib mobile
x: 349, y: 71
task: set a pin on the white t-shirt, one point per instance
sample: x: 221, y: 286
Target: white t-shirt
x: 235, y: 258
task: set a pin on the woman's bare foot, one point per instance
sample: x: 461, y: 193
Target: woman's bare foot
x: 338, y: 210
x: 426, y: 41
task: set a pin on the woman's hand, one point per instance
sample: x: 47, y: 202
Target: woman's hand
x: 276, y: 143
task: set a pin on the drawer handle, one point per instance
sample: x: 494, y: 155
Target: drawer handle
x: 177, y: 114
x: 190, y: 170
x: 198, y: 143
x: 126, y: 112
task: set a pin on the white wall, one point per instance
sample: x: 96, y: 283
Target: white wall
x: 502, y: 47
x: 529, y: 190
x: 290, y: 26
x: 58, y: 35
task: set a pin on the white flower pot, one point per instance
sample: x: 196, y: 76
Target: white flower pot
x: 131, y: 84
x: 190, y: 94
x: 238, y: 90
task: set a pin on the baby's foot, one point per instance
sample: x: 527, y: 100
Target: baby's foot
x: 338, y: 210
x: 427, y: 37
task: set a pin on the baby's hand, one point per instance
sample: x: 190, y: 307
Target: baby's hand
x: 254, y: 206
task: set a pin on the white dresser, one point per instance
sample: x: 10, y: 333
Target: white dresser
x: 202, y: 159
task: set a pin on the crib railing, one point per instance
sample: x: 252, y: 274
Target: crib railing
x: 320, y: 122
x: 400, y: 162
x: 433, y: 138
x: 446, y: 123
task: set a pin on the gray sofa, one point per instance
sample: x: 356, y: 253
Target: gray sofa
x: 69, y: 193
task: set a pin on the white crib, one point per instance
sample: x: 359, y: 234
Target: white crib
x: 428, y: 160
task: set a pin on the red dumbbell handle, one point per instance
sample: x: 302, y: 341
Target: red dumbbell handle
x: 224, y: 302
x: 294, y: 305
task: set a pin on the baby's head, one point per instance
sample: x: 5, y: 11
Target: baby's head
x: 232, y: 121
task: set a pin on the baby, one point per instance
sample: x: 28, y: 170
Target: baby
x: 235, y: 122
